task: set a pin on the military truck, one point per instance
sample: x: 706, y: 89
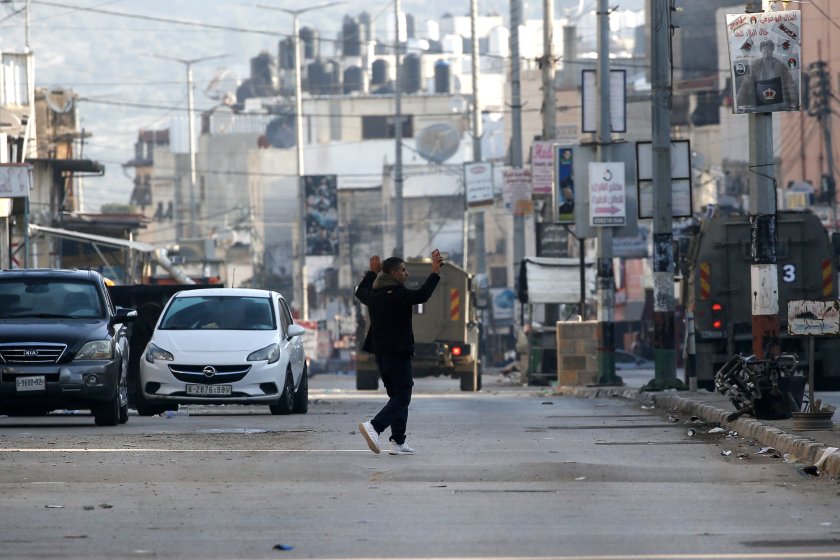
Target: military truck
x: 717, y: 290
x: 445, y: 330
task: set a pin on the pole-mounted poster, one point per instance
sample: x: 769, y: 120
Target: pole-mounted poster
x: 765, y: 61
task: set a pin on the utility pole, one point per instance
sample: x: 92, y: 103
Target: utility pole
x: 302, y: 296
x: 188, y: 63
x: 549, y: 111
x: 663, y: 234
x: 398, y: 170
x: 605, y: 278
x: 764, y: 275
x: 516, y: 125
x: 821, y: 108
x: 480, y: 250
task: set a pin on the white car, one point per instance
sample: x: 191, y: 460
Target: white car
x: 225, y: 346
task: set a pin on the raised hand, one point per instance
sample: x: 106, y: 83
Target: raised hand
x: 375, y: 264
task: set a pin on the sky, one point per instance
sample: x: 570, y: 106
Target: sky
x: 106, y: 52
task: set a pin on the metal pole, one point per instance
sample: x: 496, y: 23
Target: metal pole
x: 764, y: 276
x: 663, y: 234
x: 191, y: 141
x: 606, y: 279
x: 398, y: 171
x: 516, y: 146
x: 301, y: 252
x: 480, y: 250
x: 548, y: 109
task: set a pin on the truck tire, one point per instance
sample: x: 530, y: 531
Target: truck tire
x: 367, y: 380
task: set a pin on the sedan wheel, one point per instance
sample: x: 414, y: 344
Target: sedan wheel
x: 287, y: 398
x: 301, y: 404
x: 108, y: 413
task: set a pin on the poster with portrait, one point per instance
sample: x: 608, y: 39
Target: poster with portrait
x: 765, y: 61
x: 564, y: 181
x: 321, y: 214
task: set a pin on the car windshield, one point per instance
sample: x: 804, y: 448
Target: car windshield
x: 49, y: 297
x: 234, y: 313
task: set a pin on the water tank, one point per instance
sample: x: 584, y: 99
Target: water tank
x: 412, y: 73
x: 316, y: 78
x: 286, y: 54
x: 353, y: 79
x: 264, y: 77
x: 453, y: 44
x: 442, y: 76
x: 334, y: 75
x: 309, y: 43
x: 410, y: 29
x: 351, y: 38
x: 379, y: 72
x: 365, y: 25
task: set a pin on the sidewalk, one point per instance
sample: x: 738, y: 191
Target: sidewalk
x: 812, y: 447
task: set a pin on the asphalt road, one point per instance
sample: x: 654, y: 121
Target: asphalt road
x: 509, y: 472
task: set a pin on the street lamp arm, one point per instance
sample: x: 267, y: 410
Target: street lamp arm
x: 299, y: 11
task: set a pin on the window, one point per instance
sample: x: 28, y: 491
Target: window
x: 376, y: 126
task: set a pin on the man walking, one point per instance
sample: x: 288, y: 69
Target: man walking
x: 390, y: 339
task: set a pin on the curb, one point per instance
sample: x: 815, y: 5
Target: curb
x: 805, y: 449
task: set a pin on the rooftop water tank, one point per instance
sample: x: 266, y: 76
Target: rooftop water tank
x: 317, y: 79
x: 379, y: 72
x: 309, y: 43
x: 353, y: 79
x: 412, y: 73
x: 442, y: 76
x: 264, y: 76
x: 351, y: 38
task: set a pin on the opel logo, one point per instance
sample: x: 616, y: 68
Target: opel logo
x: 30, y: 353
x: 209, y: 371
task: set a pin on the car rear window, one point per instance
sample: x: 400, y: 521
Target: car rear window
x: 234, y: 313
x: 49, y: 297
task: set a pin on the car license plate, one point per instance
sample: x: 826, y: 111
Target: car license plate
x: 35, y: 383
x: 209, y: 390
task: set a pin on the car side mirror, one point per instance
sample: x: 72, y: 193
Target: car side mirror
x: 295, y: 330
x: 123, y: 315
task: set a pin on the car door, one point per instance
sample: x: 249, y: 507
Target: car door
x: 294, y: 345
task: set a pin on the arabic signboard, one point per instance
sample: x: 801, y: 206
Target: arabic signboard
x: 607, y: 203
x: 517, y: 191
x: 542, y: 172
x: 765, y: 61
x: 478, y: 179
x: 813, y: 318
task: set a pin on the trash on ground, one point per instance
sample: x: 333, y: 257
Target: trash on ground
x: 765, y: 451
x: 283, y: 547
x: 829, y: 451
x: 717, y: 430
x: 726, y: 453
x: 88, y: 508
x: 691, y: 432
x: 53, y: 506
x: 580, y: 478
x: 673, y: 418
x: 812, y: 470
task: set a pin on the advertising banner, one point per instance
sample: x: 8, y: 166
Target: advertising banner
x: 564, y: 171
x: 765, y: 61
x: 607, y: 201
x: 542, y: 172
x: 517, y: 191
x: 321, y: 214
x: 478, y: 179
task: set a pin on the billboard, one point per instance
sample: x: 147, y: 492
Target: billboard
x: 321, y: 214
x: 564, y: 167
x: 765, y: 61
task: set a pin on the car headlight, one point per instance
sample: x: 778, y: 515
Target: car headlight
x: 96, y: 350
x: 155, y: 352
x: 270, y: 353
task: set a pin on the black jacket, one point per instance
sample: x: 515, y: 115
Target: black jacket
x: 390, y: 310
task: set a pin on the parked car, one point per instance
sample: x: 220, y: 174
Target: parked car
x: 225, y: 346
x: 628, y: 360
x: 63, y: 345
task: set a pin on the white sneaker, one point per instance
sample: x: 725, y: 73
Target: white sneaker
x: 400, y: 449
x: 371, y: 437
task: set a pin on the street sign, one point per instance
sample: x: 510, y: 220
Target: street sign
x: 813, y: 318
x: 607, y: 203
x: 15, y: 180
x: 478, y: 181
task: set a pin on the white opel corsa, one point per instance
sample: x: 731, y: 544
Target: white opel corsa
x: 225, y: 346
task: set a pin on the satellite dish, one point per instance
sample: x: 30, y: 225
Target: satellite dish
x: 223, y: 85
x: 9, y: 120
x: 438, y: 142
x: 281, y: 132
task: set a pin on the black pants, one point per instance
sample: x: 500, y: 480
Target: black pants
x: 395, y: 371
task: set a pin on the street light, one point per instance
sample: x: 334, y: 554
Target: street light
x: 191, y: 125
x: 302, y: 295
